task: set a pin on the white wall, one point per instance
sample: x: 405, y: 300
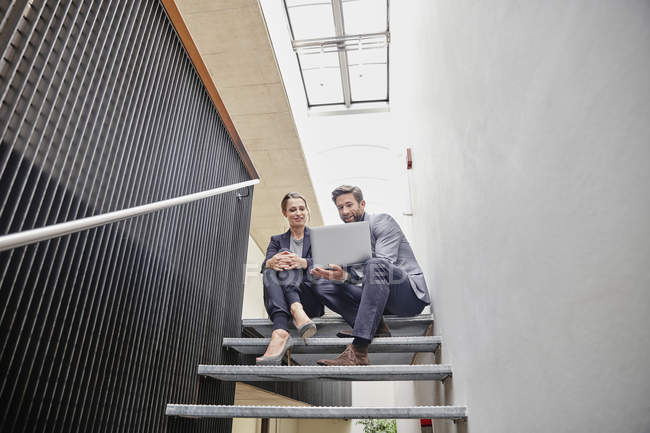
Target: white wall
x: 377, y: 394
x: 253, y: 307
x: 530, y: 124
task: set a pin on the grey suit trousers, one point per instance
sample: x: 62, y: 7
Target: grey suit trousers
x: 385, y: 290
x: 283, y: 288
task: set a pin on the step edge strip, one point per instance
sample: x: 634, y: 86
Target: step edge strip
x: 415, y: 412
x: 231, y: 341
x: 309, y: 369
x: 335, y: 320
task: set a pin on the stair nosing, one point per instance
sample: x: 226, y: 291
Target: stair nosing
x: 331, y: 412
x: 252, y: 373
x: 335, y: 344
x: 339, y: 320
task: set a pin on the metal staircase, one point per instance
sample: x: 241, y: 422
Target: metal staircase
x: 390, y: 360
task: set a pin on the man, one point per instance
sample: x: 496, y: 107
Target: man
x: 390, y: 282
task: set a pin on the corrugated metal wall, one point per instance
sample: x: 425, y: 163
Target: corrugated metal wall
x: 100, y: 110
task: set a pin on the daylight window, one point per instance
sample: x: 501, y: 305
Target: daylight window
x: 342, y: 49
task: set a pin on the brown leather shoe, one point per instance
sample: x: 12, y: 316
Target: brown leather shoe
x: 382, y: 331
x: 352, y: 355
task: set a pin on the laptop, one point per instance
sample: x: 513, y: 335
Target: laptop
x: 341, y: 244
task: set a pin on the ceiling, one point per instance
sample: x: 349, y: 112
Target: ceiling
x: 233, y: 42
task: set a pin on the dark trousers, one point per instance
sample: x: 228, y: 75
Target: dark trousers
x: 283, y: 288
x: 385, y: 290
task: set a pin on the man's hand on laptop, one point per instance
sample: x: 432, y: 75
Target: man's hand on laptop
x: 333, y: 272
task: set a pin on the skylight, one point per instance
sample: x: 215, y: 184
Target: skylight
x: 342, y: 49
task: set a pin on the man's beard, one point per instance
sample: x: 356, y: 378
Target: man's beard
x: 355, y: 218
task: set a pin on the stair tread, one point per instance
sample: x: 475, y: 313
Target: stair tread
x: 328, y: 326
x: 222, y: 411
x: 257, y: 346
x: 392, y: 321
x: 316, y: 372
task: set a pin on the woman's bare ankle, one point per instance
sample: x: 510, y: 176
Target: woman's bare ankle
x: 298, y: 314
x: 280, y: 333
x: 275, y: 346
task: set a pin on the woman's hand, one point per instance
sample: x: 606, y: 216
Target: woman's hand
x: 293, y: 261
x: 286, y: 260
x: 275, y: 262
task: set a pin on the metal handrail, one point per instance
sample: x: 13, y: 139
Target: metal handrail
x: 27, y: 237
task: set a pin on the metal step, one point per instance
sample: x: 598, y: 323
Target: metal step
x: 254, y: 373
x: 413, y: 412
x: 257, y: 346
x: 329, y: 325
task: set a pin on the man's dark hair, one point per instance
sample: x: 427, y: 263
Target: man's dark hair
x: 346, y: 189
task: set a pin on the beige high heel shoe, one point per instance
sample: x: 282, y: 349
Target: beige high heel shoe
x: 307, y: 330
x: 275, y: 359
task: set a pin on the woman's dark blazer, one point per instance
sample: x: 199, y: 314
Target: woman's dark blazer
x: 283, y: 241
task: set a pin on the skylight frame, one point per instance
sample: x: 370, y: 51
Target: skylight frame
x: 348, y: 99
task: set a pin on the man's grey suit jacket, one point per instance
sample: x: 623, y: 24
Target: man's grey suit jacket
x: 388, y: 242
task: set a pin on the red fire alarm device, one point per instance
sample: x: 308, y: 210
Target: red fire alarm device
x: 409, y: 159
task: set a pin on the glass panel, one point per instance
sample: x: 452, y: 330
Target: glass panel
x: 311, y: 19
x: 322, y: 76
x: 294, y: 3
x: 368, y: 74
x: 368, y: 55
x: 319, y: 60
x: 365, y: 16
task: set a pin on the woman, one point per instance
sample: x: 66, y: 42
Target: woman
x: 288, y: 290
